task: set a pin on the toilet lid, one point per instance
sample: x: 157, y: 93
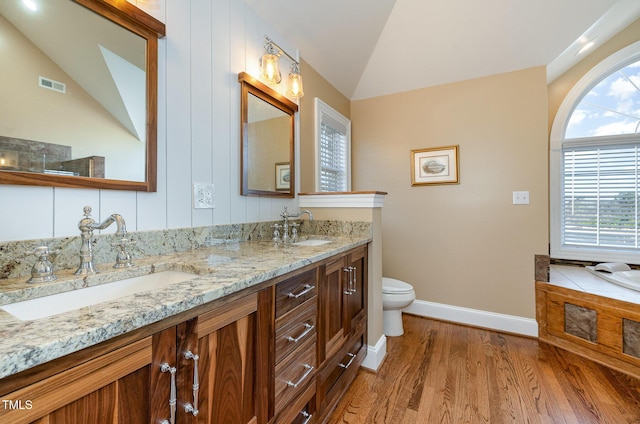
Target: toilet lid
x: 391, y: 285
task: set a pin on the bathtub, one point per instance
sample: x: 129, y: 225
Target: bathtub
x: 629, y: 278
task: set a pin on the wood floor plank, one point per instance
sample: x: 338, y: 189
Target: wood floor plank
x: 440, y: 372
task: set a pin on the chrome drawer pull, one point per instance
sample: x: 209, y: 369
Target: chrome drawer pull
x: 307, y: 289
x: 353, y: 283
x: 352, y: 357
x: 350, y: 290
x: 172, y: 396
x: 304, y: 377
x: 189, y: 408
x: 308, y: 328
x: 307, y: 416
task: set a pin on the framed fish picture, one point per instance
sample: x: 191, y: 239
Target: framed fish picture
x: 438, y: 165
x: 283, y: 176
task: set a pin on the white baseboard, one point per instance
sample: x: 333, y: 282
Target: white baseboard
x: 475, y: 317
x: 375, y: 354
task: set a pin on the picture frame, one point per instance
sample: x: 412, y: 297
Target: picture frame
x: 283, y: 176
x: 437, y: 165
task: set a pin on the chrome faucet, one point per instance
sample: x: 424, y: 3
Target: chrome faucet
x: 285, y: 222
x: 308, y: 212
x: 285, y: 225
x: 87, y: 225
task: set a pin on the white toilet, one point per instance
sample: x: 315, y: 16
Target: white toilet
x: 396, y: 295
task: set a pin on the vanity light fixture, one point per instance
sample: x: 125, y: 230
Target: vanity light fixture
x: 269, y: 64
x: 295, y: 82
x: 270, y: 68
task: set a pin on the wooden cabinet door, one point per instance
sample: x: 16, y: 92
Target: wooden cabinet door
x: 332, y: 322
x: 343, y: 300
x: 111, y: 388
x: 228, y: 364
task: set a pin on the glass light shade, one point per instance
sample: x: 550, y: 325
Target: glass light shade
x: 295, y: 88
x: 270, y: 68
x: 8, y: 160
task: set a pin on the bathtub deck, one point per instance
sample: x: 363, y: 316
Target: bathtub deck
x: 589, y: 316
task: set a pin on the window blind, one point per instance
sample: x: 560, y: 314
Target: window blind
x: 333, y: 154
x: 600, y: 196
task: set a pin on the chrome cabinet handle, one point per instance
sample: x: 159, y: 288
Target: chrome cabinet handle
x: 172, y: 396
x: 307, y: 289
x: 351, y: 283
x: 355, y: 277
x: 348, y: 270
x: 352, y: 357
x: 193, y: 408
x: 308, y: 328
x: 307, y: 416
x: 309, y: 370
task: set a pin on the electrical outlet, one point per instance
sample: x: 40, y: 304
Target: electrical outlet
x: 520, y: 197
x: 203, y: 195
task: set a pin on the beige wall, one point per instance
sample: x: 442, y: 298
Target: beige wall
x: 559, y: 88
x: 464, y: 245
x: 314, y: 86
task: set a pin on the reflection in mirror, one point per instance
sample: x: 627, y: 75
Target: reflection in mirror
x: 264, y: 122
x: 79, y: 94
x: 267, y: 140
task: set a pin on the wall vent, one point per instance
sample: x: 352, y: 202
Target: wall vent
x: 52, y: 85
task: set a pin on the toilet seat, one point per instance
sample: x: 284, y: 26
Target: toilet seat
x: 393, y: 286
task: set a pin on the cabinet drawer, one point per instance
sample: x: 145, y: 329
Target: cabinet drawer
x: 293, y: 375
x: 295, y: 328
x: 302, y: 410
x: 295, y: 291
x: 339, y: 374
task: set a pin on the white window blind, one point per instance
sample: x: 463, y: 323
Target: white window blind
x: 600, y: 196
x: 333, y: 154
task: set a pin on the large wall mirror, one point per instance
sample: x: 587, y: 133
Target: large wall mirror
x: 79, y: 94
x: 268, y: 140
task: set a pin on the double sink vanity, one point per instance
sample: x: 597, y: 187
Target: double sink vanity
x: 238, y: 331
x: 229, y: 324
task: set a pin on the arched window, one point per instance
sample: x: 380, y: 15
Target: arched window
x: 595, y: 164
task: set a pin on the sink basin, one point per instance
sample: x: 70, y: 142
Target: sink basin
x: 312, y: 242
x: 58, y: 303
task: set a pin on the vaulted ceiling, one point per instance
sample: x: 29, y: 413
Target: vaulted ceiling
x: 368, y: 48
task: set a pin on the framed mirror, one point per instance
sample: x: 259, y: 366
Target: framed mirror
x: 79, y: 102
x: 268, y: 140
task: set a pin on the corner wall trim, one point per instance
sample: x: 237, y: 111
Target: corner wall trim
x: 375, y: 354
x: 342, y: 200
x: 475, y: 317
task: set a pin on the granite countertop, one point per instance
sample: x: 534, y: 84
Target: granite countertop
x: 218, y: 271
x: 578, y: 278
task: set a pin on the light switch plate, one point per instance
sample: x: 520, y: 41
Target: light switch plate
x: 520, y: 197
x: 203, y: 194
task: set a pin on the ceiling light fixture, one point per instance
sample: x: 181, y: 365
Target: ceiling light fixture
x: 31, y: 5
x: 270, y: 68
x: 585, y: 47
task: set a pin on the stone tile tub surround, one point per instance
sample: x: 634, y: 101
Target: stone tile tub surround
x: 579, y: 279
x: 230, y: 262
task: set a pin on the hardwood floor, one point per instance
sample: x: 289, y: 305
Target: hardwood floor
x: 440, y: 372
